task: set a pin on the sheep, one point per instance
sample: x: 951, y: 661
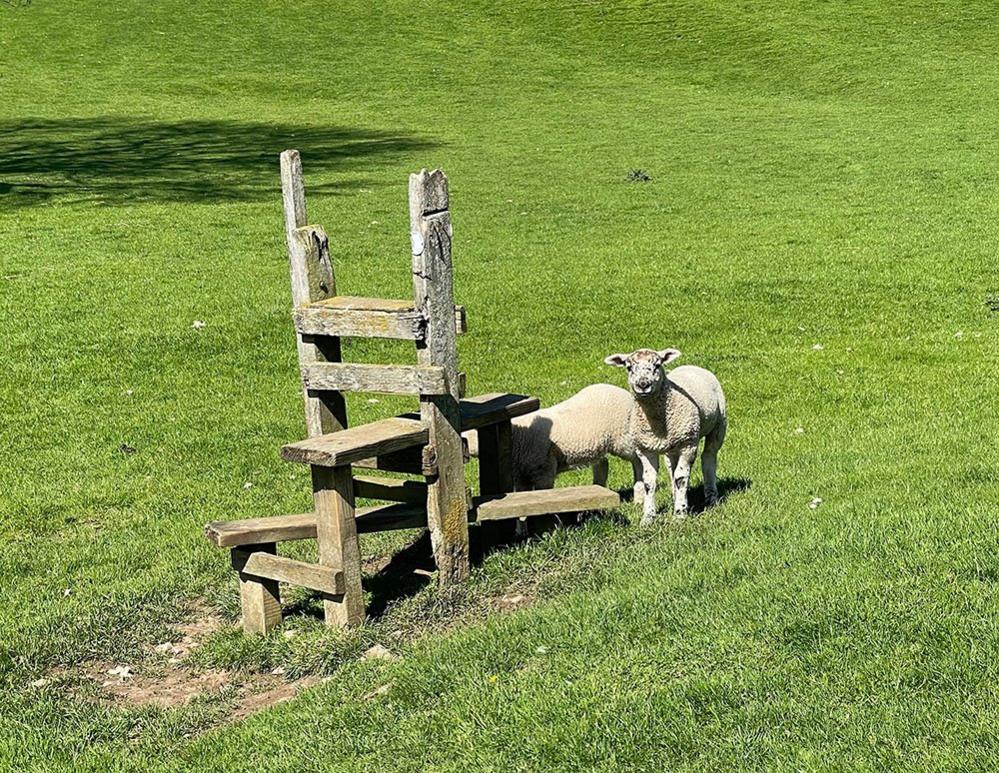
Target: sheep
x: 578, y: 432
x: 670, y: 413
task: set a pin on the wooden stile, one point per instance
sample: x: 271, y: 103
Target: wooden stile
x: 427, y: 444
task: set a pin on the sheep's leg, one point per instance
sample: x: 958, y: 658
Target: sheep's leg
x: 650, y: 472
x: 681, y: 478
x: 639, y: 487
x: 709, y: 463
x: 601, y: 471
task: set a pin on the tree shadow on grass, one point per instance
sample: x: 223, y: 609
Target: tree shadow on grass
x: 131, y: 160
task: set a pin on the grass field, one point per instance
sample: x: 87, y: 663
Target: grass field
x: 819, y: 230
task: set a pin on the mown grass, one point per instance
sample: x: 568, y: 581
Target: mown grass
x: 818, y: 229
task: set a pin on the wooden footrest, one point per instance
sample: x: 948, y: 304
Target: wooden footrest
x: 348, y: 315
x: 283, y: 528
x: 523, y: 504
x: 404, y: 515
x: 356, y: 443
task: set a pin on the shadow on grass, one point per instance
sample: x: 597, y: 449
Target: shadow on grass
x: 131, y: 160
x: 695, y: 496
x: 412, y: 568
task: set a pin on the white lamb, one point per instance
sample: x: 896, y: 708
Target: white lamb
x: 672, y: 412
x: 578, y: 432
x: 666, y: 413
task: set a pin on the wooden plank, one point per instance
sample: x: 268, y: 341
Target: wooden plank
x: 325, y: 579
x: 493, y: 408
x: 249, y: 531
x: 361, y: 318
x: 312, y: 280
x: 391, y: 489
x: 387, y: 379
x: 357, y: 443
x: 433, y: 294
x: 523, y: 504
x: 354, y: 316
x: 336, y: 534
x: 260, y: 599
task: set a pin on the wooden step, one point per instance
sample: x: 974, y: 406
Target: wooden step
x: 520, y: 504
x: 364, y: 441
x: 348, y: 315
x: 523, y: 504
x: 392, y: 444
x: 285, y: 528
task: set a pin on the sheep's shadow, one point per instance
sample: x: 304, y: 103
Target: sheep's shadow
x: 695, y: 496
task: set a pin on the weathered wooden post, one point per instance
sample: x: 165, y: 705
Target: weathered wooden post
x: 312, y: 280
x: 433, y: 292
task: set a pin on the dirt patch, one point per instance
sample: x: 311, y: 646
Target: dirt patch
x: 167, y: 687
x: 168, y: 682
x: 257, y: 701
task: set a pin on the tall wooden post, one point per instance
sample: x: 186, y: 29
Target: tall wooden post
x: 312, y: 280
x: 433, y: 290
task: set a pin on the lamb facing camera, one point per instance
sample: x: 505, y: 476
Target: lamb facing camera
x: 671, y: 412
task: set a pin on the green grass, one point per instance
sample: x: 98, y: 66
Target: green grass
x: 821, y: 174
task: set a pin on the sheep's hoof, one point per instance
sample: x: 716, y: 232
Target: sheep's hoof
x: 647, y: 520
x: 680, y: 515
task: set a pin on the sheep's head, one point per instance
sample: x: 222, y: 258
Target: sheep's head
x: 645, y: 369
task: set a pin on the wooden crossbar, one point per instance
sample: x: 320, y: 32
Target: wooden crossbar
x: 387, y: 379
x: 324, y: 579
x: 359, y: 317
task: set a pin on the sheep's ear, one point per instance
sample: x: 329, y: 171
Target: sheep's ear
x: 668, y: 355
x: 617, y: 360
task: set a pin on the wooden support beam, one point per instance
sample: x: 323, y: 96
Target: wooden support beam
x: 433, y: 293
x: 326, y: 579
x: 312, y: 280
x: 336, y: 532
x: 260, y: 599
x: 496, y: 476
x: 386, y: 379
x: 495, y: 462
x: 391, y: 489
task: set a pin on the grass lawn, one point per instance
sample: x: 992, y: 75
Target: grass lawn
x: 819, y: 230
